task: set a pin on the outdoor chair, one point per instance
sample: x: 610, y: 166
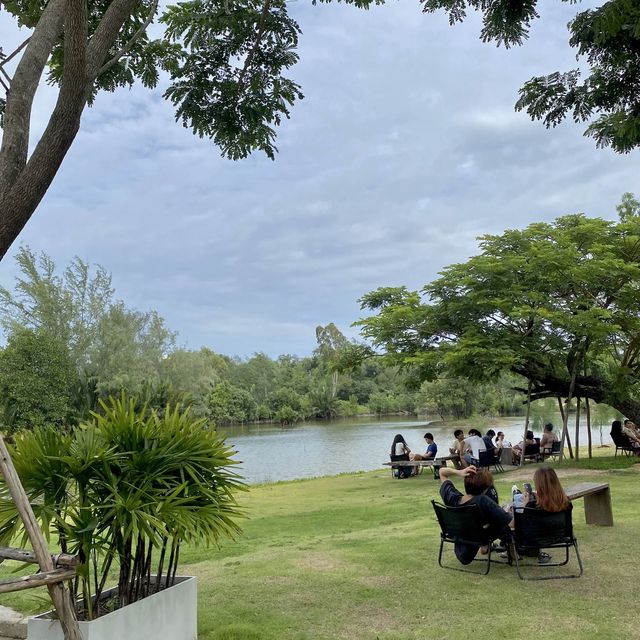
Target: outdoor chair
x: 532, y: 452
x: 490, y: 459
x: 401, y: 472
x: 553, y: 452
x: 464, y: 525
x: 536, y: 529
x: 623, y: 444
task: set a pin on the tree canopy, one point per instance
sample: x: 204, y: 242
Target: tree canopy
x: 550, y: 302
x: 607, y: 38
x: 226, y: 61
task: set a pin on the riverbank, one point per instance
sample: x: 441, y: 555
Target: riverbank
x: 355, y: 557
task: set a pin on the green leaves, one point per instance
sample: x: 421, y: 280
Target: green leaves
x: 229, y: 84
x: 128, y: 476
x: 536, y: 302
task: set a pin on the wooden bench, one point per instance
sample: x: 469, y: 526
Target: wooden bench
x: 419, y: 465
x: 597, y: 501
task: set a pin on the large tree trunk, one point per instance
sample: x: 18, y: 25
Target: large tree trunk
x: 23, y: 183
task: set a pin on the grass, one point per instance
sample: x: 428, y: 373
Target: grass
x: 354, y: 556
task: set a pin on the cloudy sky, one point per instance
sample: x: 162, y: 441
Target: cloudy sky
x: 404, y: 150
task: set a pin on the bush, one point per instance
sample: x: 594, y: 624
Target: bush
x: 126, y: 489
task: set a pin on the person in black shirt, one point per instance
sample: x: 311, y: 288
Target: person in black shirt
x: 479, y: 490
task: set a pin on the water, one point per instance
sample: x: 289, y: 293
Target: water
x: 272, y: 452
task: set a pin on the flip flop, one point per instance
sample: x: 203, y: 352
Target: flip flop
x: 543, y: 558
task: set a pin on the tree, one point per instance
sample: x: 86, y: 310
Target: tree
x: 36, y: 380
x: 111, y: 347
x: 225, y: 60
x: 607, y: 37
x: 552, y: 303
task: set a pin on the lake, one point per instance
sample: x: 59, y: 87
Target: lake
x: 271, y: 452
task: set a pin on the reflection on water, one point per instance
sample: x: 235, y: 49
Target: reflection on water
x: 272, y: 452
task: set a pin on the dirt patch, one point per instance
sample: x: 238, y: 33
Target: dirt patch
x: 319, y: 561
x: 527, y: 472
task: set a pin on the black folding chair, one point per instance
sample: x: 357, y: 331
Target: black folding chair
x: 623, y: 444
x: 490, y: 459
x: 401, y: 471
x: 536, y: 529
x: 464, y: 526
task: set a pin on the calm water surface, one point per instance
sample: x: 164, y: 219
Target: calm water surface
x: 271, y: 452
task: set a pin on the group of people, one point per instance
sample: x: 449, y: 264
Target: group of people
x: 629, y: 429
x: 400, y: 451
x: 469, y: 448
x: 480, y: 491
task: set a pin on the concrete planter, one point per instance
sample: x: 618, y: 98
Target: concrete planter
x: 170, y: 614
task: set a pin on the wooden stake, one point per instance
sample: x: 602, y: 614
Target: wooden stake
x: 577, y: 443
x: 59, y: 595
x: 589, y: 428
x: 36, y: 580
x: 526, y: 425
x: 21, y: 555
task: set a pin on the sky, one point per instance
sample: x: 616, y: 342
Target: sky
x: 405, y: 149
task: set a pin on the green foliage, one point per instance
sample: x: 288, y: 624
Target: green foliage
x: 545, y: 303
x: 227, y: 403
x: 126, y: 484
x: 36, y: 380
x: 607, y: 38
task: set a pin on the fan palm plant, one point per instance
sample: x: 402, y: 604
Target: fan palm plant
x: 124, y: 491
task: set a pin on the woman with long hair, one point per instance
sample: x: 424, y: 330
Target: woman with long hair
x: 550, y: 495
x: 400, y: 452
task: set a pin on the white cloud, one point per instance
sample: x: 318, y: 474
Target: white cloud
x: 405, y: 149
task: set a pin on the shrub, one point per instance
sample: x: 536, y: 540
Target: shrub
x: 126, y: 490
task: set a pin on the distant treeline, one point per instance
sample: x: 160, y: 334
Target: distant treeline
x: 70, y: 343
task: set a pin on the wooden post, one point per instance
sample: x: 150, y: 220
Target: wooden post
x: 526, y: 425
x: 59, y: 595
x: 577, y: 428
x: 568, y: 438
x: 589, y: 428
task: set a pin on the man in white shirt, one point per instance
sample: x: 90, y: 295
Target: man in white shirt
x: 473, y: 445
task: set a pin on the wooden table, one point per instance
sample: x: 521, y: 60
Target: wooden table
x: 419, y: 465
x: 597, y: 501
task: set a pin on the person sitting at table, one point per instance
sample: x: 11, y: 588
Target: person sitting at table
x: 548, y: 438
x: 517, y: 450
x: 488, y: 439
x: 457, y: 448
x: 400, y: 452
x: 431, y: 451
x: 479, y: 491
x: 473, y: 445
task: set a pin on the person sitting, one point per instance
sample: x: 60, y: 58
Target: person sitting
x: 548, y: 438
x: 431, y: 451
x: 549, y: 496
x: 488, y: 440
x: 457, y: 448
x: 631, y: 426
x: 517, y: 450
x: 400, y: 452
x: 618, y: 430
x: 479, y: 491
x: 473, y: 445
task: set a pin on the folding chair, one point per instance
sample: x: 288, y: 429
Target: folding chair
x: 537, y: 529
x: 464, y: 526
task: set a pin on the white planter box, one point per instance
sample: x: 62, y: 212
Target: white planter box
x: 170, y: 614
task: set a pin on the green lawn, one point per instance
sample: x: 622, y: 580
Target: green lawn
x: 354, y: 556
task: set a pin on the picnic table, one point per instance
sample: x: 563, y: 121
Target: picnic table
x: 419, y: 465
x: 597, y: 501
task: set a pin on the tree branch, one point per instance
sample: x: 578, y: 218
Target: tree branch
x: 17, y: 117
x: 105, y: 35
x: 261, y: 29
x: 132, y: 41
x: 15, y: 53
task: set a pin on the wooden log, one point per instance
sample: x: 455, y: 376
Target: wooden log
x: 37, y: 580
x: 22, y: 555
x: 60, y: 596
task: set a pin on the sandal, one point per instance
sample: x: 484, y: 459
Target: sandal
x: 543, y: 558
